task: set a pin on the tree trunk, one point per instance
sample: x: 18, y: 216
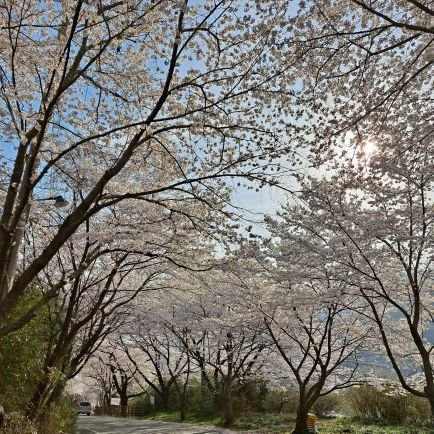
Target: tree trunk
x: 45, y: 394
x: 300, y: 422
x: 182, y: 409
x: 228, y: 412
x: 228, y: 408
x: 182, y: 393
x: 56, y: 393
x: 163, y: 401
x: 39, y: 398
x: 124, y: 404
x: 431, y: 402
x: 2, y: 416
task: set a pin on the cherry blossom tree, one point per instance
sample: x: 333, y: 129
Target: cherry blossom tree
x: 84, y: 315
x: 146, y: 101
x: 109, y: 273
x: 145, y: 235
x: 318, y: 339
x: 225, y: 343
x: 371, y: 226
x: 306, y: 315
x: 367, y: 212
x: 160, y: 361
x: 361, y: 62
x: 122, y: 373
x: 195, y: 328
x: 227, y: 362
x: 101, y: 380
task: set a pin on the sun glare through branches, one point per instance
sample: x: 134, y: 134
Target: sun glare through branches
x: 369, y: 148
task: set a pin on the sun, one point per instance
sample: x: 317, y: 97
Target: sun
x: 369, y: 148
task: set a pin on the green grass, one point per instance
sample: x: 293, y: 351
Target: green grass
x: 191, y: 418
x: 283, y: 424
x: 346, y: 425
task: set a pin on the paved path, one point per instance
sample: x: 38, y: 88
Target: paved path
x: 114, y: 425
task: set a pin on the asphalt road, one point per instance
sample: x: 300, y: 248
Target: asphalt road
x: 113, y: 425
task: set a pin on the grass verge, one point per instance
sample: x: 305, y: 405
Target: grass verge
x: 283, y: 424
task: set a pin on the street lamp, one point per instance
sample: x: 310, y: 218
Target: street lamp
x: 59, y: 201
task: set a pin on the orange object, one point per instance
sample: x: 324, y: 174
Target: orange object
x: 311, y: 422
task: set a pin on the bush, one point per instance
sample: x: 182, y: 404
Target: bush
x: 22, y: 356
x: 388, y: 405
x: 278, y: 401
x: 140, y: 406
x: 251, y: 397
x: 200, y: 400
x: 59, y: 418
x: 326, y: 404
x: 17, y: 423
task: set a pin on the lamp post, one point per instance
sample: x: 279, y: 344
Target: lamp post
x: 59, y: 202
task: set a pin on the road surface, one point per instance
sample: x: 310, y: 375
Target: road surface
x: 114, y: 425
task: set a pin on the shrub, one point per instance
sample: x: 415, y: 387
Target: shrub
x: 140, y: 406
x: 17, y: 423
x: 326, y: 404
x: 250, y: 397
x: 200, y: 401
x: 281, y: 400
x: 59, y: 418
x: 389, y: 405
x: 22, y: 356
